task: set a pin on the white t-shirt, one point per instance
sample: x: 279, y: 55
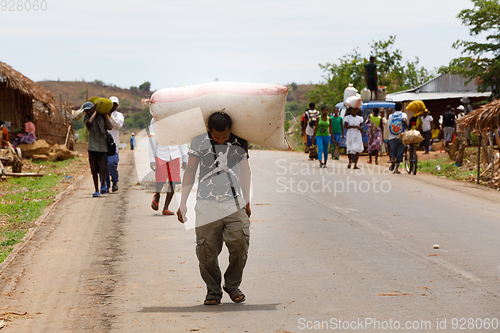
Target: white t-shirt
x: 395, y: 136
x: 427, y: 123
x: 117, y: 119
x: 165, y: 153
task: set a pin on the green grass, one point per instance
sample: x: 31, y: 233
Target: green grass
x: 24, y: 201
x: 446, y: 168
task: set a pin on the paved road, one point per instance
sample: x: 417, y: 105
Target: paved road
x: 333, y: 246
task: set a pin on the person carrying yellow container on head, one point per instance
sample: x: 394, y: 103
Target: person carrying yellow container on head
x: 117, y: 120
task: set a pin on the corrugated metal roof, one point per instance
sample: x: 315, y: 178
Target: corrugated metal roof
x: 447, y: 83
x: 426, y: 96
x: 442, y: 87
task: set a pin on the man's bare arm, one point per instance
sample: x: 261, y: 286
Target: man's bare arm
x: 187, y: 184
x: 245, y: 181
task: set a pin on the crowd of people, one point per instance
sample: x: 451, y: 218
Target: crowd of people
x: 321, y: 130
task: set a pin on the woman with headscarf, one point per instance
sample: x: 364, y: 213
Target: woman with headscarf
x: 354, y: 126
x: 374, y: 134
x: 28, y: 135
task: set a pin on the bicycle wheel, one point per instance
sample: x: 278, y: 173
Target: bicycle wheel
x: 407, y: 160
x: 415, y: 161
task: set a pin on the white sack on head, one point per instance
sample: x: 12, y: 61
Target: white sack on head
x: 354, y: 102
x: 171, y: 131
x: 257, y: 110
x: 350, y: 91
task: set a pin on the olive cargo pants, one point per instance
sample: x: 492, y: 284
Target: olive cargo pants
x: 234, y: 230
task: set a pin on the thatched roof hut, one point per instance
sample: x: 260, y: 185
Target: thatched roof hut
x: 485, y: 118
x: 20, y: 96
x: 17, y: 81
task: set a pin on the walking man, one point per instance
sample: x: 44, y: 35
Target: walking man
x: 427, y: 130
x: 222, y: 207
x: 116, y: 118
x: 165, y: 162
x: 397, y: 124
x: 97, y: 124
x: 448, y: 125
x: 312, y: 116
x: 132, y: 141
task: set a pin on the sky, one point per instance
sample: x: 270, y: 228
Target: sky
x: 176, y: 43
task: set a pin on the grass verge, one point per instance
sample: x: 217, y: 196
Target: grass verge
x: 23, y: 200
x: 445, y: 167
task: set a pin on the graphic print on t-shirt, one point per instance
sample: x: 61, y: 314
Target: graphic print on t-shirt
x: 219, y: 169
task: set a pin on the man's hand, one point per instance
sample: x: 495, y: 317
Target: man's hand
x: 183, y: 166
x: 181, y: 213
x: 248, y: 210
x: 152, y: 165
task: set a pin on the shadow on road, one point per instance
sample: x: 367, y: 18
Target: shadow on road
x: 211, y: 308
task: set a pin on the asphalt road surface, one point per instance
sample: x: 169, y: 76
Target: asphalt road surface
x: 330, y: 250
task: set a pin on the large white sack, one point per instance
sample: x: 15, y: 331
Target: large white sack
x: 257, y: 110
x: 179, y: 128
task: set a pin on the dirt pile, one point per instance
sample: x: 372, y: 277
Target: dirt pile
x: 43, y: 150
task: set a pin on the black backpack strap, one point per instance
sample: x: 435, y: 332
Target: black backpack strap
x: 227, y: 173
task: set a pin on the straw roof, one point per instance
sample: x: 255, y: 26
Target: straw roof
x: 484, y: 118
x: 18, y: 81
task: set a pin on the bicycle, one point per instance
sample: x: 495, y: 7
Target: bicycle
x: 410, y: 158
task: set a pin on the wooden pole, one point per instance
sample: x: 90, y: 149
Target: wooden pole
x: 497, y: 138
x: 490, y: 138
x: 67, y: 136
x: 86, y: 94
x: 479, y: 159
x: 14, y: 174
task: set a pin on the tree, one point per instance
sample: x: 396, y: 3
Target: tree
x: 393, y: 72
x: 146, y: 86
x: 480, y: 60
x: 350, y: 70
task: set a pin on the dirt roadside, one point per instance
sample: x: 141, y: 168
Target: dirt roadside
x: 61, y: 280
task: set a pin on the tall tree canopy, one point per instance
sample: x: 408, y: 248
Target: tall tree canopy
x: 393, y: 72
x: 480, y: 60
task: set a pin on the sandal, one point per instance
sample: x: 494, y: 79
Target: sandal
x: 154, y: 203
x: 167, y: 212
x: 235, y: 294
x: 349, y: 166
x: 96, y: 195
x: 210, y: 300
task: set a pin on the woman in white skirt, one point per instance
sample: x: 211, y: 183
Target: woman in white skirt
x: 354, y: 139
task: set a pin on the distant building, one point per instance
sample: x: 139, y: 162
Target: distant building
x: 19, y: 96
x: 446, y: 89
